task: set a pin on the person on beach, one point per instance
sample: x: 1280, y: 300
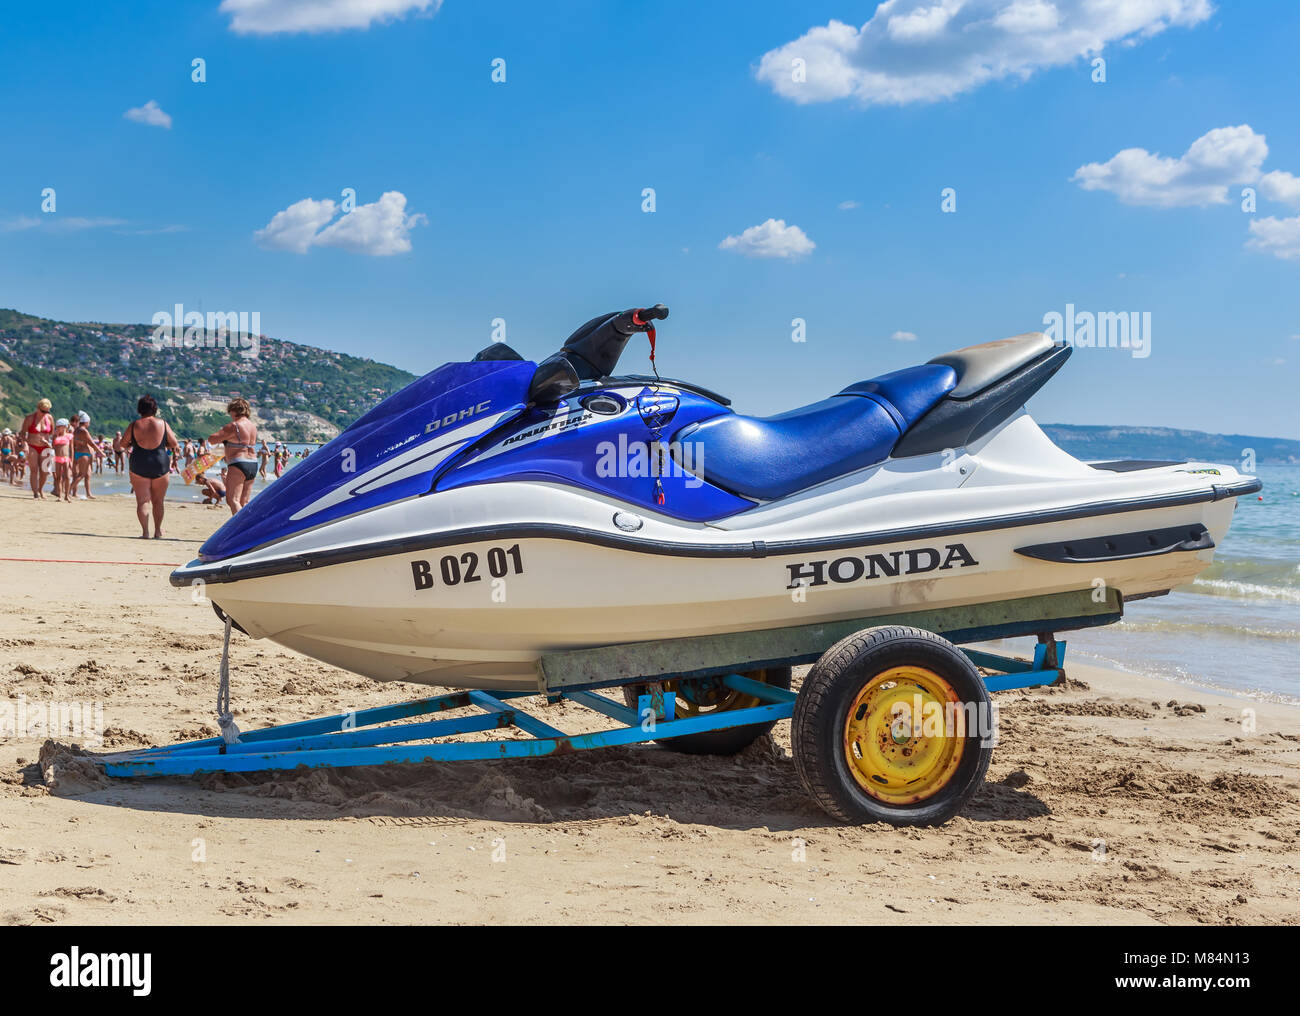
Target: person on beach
x: 101, y: 453
x: 117, y: 452
x: 38, y: 429
x: 213, y: 491
x: 62, y: 442
x: 8, y: 454
x: 151, y: 446
x: 263, y: 453
x: 20, y: 457
x: 240, y: 437
x: 84, y: 450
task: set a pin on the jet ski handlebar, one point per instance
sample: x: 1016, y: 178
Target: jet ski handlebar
x: 594, y: 348
x: 643, y: 317
x: 592, y: 352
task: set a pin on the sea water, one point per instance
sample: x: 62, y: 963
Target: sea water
x: 1237, y: 626
x: 109, y: 482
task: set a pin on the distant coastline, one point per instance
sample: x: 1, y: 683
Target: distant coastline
x: 1099, y: 444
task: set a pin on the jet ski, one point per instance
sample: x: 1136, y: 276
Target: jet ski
x: 499, y: 509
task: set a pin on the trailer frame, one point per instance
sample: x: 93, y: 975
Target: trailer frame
x: 411, y: 732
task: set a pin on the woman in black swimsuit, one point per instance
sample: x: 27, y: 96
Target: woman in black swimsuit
x: 240, y: 438
x: 151, y: 443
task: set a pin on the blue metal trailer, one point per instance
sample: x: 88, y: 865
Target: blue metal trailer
x: 859, y: 741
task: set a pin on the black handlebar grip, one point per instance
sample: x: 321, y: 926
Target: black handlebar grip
x: 657, y: 312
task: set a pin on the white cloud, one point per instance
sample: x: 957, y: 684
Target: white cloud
x: 378, y: 229
x: 59, y: 223
x: 150, y: 113
x: 1200, y: 176
x: 295, y: 228
x: 81, y: 222
x: 1025, y: 16
x: 845, y: 206
x: 1281, y: 186
x: 904, y: 336
x: 1279, y: 237
x: 268, y: 17
x: 927, y: 50
x: 771, y: 239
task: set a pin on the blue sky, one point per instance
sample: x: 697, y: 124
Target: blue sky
x: 522, y: 200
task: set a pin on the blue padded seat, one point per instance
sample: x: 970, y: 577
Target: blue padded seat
x: 772, y: 457
x: 911, y: 391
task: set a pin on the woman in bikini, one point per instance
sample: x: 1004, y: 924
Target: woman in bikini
x: 240, y: 438
x: 84, y: 450
x: 151, y: 444
x: 38, y: 429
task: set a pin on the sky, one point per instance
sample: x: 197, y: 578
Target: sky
x: 388, y: 178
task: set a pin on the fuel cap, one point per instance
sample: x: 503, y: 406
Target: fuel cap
x: 604, y: 405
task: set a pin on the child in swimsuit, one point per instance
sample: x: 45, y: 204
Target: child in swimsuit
x: 62, y: 460
x: 84, y: 448
x: 7, y: 454
x: 213, y: 491
x: 20, y: 455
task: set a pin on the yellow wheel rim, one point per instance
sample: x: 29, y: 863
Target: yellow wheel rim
x: 904, y: 735
x: 715, y: 698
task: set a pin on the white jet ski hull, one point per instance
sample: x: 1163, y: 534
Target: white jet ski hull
x: 468, y: 587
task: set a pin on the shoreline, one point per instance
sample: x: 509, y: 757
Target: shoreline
x: 1198, y: 685
x: 1197, y: 816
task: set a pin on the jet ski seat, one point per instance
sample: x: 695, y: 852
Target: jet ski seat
x: 980, y: 366
x: 772, y: 457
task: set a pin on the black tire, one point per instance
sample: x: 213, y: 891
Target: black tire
x: 832, y: 687
x: 719, y: 742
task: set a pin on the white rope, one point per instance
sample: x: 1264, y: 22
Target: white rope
x: 225, y: 718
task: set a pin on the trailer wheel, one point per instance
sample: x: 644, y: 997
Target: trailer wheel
x: 892, y: 725
x: 704, y: 696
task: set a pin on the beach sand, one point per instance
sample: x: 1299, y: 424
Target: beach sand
x: 1104, y: 802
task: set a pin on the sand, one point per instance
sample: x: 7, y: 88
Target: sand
x: 1119, y: 799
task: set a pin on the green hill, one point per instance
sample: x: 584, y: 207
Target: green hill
x: 298, y: 392
x: 110, y: 403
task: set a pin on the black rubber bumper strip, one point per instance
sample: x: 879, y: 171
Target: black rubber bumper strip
x: 1123, y: 546
x: 236, y: 571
